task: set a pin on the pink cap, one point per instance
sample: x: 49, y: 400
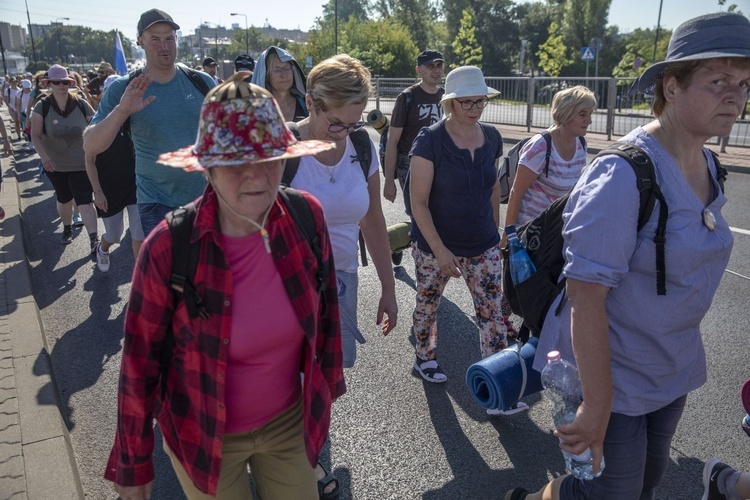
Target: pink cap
x: 553, y: 356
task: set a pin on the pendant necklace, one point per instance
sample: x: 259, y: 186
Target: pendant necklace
x: 331, y: 172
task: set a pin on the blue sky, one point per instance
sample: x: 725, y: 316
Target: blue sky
x: 123, y: 15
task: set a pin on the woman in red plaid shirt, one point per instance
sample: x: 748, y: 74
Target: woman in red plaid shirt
x: 252, y: 383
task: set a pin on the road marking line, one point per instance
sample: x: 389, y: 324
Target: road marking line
x: 738, y: 230
x: 737, y: 274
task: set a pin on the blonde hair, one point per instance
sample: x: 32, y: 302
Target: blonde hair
x: 271, y: 58
x: 337, y: 82
x: 570, y: 102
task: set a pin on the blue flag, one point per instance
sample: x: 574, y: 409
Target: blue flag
x: 121, y: 67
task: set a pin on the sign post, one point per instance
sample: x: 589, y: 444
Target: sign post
x: 587, y: 55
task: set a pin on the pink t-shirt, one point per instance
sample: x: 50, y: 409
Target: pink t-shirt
x: 263, y: 376
x: 563, y: 175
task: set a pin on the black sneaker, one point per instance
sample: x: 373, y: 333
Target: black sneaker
x: 94, y: 240
x: 516, y: 494
x: 67, y: 237
x: 712, y: 471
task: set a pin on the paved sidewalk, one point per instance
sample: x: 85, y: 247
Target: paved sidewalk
x: 36, y: 457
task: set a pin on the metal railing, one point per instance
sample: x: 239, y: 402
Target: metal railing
x: 526, y: 102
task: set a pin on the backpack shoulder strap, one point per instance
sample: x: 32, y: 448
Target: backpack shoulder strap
x: 649, y: 193
x: 721, y: 171
x: 361, y: 141
x: 582, y: 139
x: 292, y: 164
x: 45, y: 111
x: 409, y: 96
x: 196, y: 79
x: 299, y: 210
x: 548, y: 138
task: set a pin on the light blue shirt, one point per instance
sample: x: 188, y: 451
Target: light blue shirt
x: 167, y: 124
x: 655, y: 341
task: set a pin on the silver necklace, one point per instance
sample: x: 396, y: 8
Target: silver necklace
x: 331, y: 172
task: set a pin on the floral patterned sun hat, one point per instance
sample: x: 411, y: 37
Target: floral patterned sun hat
x: 240, y: 123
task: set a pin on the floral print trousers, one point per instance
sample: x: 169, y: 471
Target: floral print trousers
x: 483, y: 276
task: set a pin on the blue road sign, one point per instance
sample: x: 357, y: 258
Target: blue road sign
x: 587, y: 54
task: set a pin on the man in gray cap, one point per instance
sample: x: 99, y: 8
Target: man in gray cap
x: 163, y: 104
x: 416, y: 107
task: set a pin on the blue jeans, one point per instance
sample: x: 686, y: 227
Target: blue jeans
x: 151, y: 215
x: 636, y: 455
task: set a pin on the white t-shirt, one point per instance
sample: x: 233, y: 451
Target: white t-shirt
x: 13, y: 94
x: 345, y: 202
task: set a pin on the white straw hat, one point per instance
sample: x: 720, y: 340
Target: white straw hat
x: 466, y: 81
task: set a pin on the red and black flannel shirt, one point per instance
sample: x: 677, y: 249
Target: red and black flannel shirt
x: 192, y: 416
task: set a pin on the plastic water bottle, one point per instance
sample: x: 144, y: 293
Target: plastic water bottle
x: 746, y: 424
x: 563, y: 387
x: 521, y: 265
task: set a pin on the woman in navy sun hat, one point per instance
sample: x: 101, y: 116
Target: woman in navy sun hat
x: 635, y: 336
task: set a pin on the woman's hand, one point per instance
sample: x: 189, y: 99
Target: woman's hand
x: 100, y: 200
x: 142, y: 492
x: 586, y: 431
x: 48, y: 164
x: 387, y: 306
x: 448, y: 263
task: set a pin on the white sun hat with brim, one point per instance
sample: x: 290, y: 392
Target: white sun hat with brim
x: 466, y: 81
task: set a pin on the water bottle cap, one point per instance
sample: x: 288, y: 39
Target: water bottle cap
x: 553, y: 356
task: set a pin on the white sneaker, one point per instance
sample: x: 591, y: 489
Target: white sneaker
x: 77, y: 220
x: 516, y: 408
x: 102, y: 259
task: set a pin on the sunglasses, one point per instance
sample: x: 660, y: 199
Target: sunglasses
x: 335, y: 128
x: 467, y: 105
x: 59, y: 82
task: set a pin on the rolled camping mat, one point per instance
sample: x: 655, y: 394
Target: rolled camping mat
x: 500, y: 380
x: 398, y: 236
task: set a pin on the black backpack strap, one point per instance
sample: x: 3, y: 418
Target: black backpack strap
x: 721, y: 171
x: 649, y: 192
x: 548, y: 138
x: 45, y: 111
x: 185, y: 257
x: 292, y: 164
x: 361, y: 141
x: 196, y: 79
x: 299, y: 210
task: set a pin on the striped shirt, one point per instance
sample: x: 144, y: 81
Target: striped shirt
x: 545, y: 189
x: 192, y: 416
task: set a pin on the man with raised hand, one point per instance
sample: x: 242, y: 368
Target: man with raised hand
x: 163, y: 105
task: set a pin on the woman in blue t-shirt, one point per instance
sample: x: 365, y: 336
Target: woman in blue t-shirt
x: 455, y: 203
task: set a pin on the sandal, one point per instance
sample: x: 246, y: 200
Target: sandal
x: 325, y: 482
x: 430, y: 371
x: 516, y: 408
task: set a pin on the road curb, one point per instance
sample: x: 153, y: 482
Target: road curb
x: 49, y: 464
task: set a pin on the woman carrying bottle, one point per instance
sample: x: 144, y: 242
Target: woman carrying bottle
x: 638, y: 349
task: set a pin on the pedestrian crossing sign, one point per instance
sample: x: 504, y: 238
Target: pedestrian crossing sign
x: 587, y: 54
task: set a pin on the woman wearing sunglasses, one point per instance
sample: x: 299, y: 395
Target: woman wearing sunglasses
x: 57, y: 136
x: 455, y: 201
x: 337, y: 93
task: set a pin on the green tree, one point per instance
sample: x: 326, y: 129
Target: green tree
x: 465, y: 46
x: 347, y: 9
x: 87, y: 46
x: 640, y: 43
x: 552, y: 53
x: 731, y: 7
x: 535, y: 19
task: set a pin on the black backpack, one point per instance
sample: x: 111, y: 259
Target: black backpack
x: 46, y: 105
x: 384, y: 135
x: 361, y: 141
x: 507, y: 173
x: 543, y: 240
x: 186, y: 256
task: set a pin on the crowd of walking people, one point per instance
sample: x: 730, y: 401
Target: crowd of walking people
x: 247, y: 242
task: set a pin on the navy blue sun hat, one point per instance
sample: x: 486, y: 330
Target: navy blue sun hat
x: 722, y: 34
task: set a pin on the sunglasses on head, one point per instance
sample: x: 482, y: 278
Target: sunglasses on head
x: 59, y: 82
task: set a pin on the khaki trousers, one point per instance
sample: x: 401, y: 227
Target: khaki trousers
x: 277, y: 458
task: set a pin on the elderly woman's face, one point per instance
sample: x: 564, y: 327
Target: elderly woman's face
x: 714, y: 98
x: 249, y: 188
x: 281, y: 76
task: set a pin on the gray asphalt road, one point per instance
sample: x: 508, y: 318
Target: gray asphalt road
x: 393, y: 435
